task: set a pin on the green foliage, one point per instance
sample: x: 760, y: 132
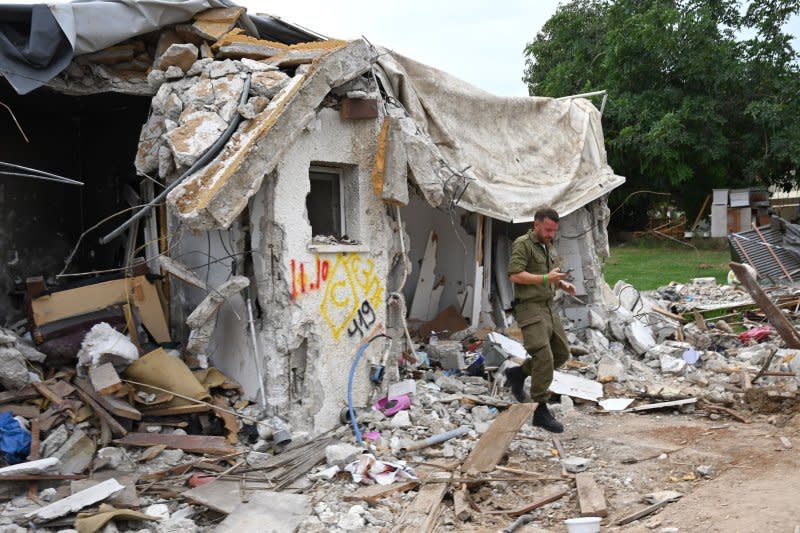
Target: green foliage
x: 692, y: 104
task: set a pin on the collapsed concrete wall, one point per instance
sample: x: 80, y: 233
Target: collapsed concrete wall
x: 318, y: 301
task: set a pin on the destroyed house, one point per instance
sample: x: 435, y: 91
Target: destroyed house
x: 265, y: 199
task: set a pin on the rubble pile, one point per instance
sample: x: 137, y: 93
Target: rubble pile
x: 130, y: 435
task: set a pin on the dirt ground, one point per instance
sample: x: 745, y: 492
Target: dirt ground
x: 754, y: 484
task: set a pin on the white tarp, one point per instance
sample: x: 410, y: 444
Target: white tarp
x: 522, y: 152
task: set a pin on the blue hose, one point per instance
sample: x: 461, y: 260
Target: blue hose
x: 350, y: 409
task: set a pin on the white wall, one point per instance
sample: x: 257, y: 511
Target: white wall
x: 456, y: 250
x: 308, y: 335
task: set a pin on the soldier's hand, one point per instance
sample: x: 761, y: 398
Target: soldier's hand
x: 555, y: 276
x: 568, y: 287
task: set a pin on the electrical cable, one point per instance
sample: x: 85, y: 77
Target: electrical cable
x: 207, y: 156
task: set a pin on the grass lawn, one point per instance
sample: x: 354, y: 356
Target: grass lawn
x: 648, y: 265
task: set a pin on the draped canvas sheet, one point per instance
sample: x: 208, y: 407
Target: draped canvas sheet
x: 522, y: 152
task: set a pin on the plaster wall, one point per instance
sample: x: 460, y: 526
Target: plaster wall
x: 317, y: 306
x: 455, y: 257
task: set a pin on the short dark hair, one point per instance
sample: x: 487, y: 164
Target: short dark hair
x: 546, y: 212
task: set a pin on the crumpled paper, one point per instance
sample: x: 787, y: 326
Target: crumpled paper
x: 368, y: 470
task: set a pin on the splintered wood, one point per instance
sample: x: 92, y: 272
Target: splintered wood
x: 591, y: 499
x: 492, y: 446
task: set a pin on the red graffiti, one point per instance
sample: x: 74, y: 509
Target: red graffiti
x: 301, y: 284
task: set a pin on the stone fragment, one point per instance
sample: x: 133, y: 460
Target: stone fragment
x: 200, y: 93
x: 54, y: 440
x: 173, y: 73
x: 704, y: 470
x: 173, y: 107
x: 194, y: 136
x: 256, y: 66
x: 401, y: 420
x: 598, y: 343
x: 76, y: 453
x: 13, y: 369
x: 617, y: 322
x: 149, y: 141
x: 227, y: 89
x: 182, y: 56
x: 199, y: 66
x: 268, y: 83
x: 629, y: 297
x: 672, y: 365
x: 610, y: 369
x: 217, y: 69
x: 213, y: 24
x: 598, y: 318
x: 341, y: 454
x: 756, y: 354
x: 639, y: 336
x: 449, y: 384
x: 575, y: 464
x: 166, y: 164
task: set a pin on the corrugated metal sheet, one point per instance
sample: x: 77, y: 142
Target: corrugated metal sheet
x: 749, y: 248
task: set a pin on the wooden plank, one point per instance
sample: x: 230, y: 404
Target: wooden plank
x: 548, y: 495
x: 42, y: 389
x: 115, y: 426
x: 492, y: 446
x: 82, y: 300
x: 774, y: 315
x: 119, y: 407
x: 189, y: 443
x: 643, y: 512
x: 661, y: 405
x: 28, y: 411
x: 421, y: 515
x: 461, y: 503
x: 25, y: 393
x: 661, y: 311
x: 591, y: 498
x: 179, y: 410
x: 33, y: 486
x: 112, y: 404
x: 373, y: 493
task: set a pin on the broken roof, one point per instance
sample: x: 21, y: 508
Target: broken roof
x: 499, y: 156
x: 38, y: 41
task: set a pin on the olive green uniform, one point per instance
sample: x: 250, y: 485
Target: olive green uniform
x: 536, y: 314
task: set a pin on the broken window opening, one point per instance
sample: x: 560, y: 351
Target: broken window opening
x: 324, y: 203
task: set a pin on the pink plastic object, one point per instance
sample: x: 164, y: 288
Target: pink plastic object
x: 395, y: 405
x: 759, y: 334
x: 372, y: 435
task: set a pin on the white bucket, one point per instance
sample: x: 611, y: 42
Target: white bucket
x: 587, y: 524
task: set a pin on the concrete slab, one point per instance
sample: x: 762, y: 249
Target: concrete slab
x: 273, y: 512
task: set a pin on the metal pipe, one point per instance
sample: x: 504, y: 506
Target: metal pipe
x: 256, y: 353
x: 436, y: 439
x: 40, y: 172
x: 209, y: 154
x: 38, y: 177
x: 582, y: 95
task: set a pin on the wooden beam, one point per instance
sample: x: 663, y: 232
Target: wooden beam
x: 373, y: 493
x: 189, y: 443
x: 492, y: 446
x: 774, y: 315
x: 115, y: 426
x: 591, y: 498
x: 549, y: 495
x: 421, y: 515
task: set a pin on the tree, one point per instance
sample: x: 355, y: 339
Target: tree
x: 692, y: 105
